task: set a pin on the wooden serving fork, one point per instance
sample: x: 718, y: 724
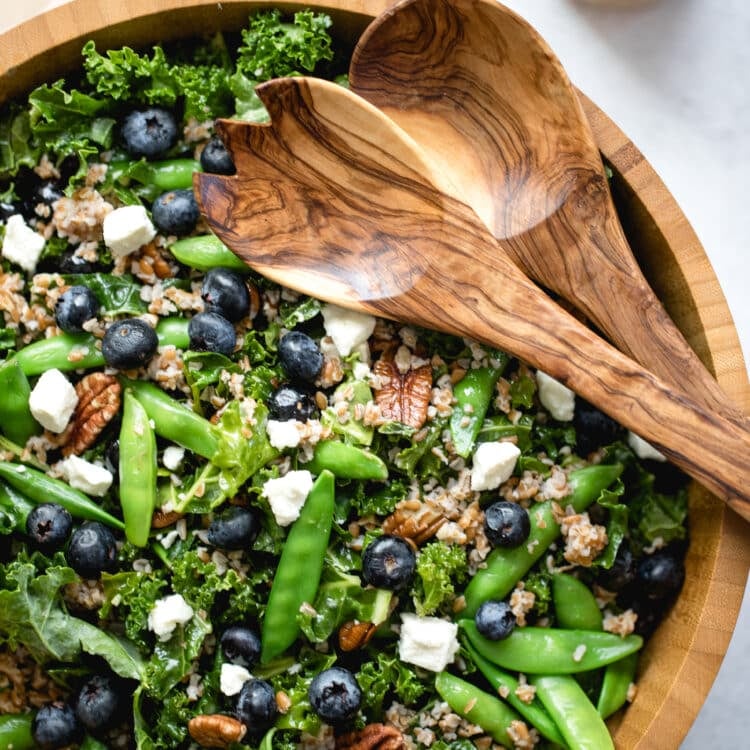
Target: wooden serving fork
x: 334, y: 200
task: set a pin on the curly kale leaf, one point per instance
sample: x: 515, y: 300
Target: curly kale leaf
x: 124, y: 75
x: 63, y: 122
x: 440, y: 567
x: 273, y: 48
x: 651, y: 514
x: 136, y: 594
x: 539, y: 584
x: 654, y: 515
x: 381, y: 501
x: 205, y: 91
x: 384, y: 676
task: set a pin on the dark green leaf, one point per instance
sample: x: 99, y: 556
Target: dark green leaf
x: 16, y: 148
x: 440, y: 567
x: 117, y: 295
x: 292, y: 314
x: 384, y: 676
x: 272, y: 48
x: 522, y: 392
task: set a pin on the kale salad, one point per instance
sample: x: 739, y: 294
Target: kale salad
x: 235, y: 516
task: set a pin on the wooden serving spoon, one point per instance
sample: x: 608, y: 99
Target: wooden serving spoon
x: 335, y: 200
x: 482, y: 93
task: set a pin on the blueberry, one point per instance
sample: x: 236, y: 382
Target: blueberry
x: 55, y: 725
x: 256, y: 705
x: 288, y: 402
x: 47, y: 192
x: 495, y: 620
x: 234, y: 528
x: 44, y: 192
x: 650, y: 614
x: 99, y: 704
x: 660, y: 576
x: 6, y: 210
x: 594, y: 428
x: 92, y: 549
x: 622, y: 571
x: 215, y: 158
x: 225, y: 293
x: 506, y: 524
x: 75, y: 306
x: 49, y: 526
x: 300, y: 356
x: 335, y: 695
x: 241, y: 645
x: 129, y: 343
x: 210, y: 332
x: 112, y: 457
x: 72, y: 263
x: 389, y: 562
x: 176, y: 212
x: 149, y: 132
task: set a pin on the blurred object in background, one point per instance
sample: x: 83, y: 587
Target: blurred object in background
x: 615, y: 3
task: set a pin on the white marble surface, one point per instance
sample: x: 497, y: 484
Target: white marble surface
x: 673, y: 75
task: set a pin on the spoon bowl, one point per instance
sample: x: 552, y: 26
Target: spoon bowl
x: 349, y: 210
x: 492, y: 107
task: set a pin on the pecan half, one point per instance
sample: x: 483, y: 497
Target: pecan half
x: 372, y: 737
x: 98, y: 402
x: 216, y: 730
x: 418, y: 526
x: 160, y: 519
x: 354, y: 635
x: 403, y: 397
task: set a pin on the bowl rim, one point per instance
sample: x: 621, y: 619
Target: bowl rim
x: 52, y: 41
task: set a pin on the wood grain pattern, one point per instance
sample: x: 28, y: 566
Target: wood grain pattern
x: 684, y: 656
x: 349, y: 209
x: 488, y: 101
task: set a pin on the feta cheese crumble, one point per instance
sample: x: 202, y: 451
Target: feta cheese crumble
x: 167, y: 613
x: 172, y: 457
x: 556, y: 398
x: 127, y: 229
x: 283, y: 434
x: 427, y: 642
x: 347, y: 328
x: 287, y: 495
x: 643, y: 449
x: 21, y: 244
x: 232, y: 678
x: 83, y: 475
x: 492, y: 464
x: 53, y: 400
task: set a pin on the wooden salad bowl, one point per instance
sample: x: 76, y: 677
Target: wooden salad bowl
x: 683, y: 657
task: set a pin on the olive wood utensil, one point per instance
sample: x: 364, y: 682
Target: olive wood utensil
x: 486, y: 98
x: 333, y: 199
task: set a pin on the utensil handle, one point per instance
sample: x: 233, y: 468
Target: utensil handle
x: 613, y: 293
x: 497, y: 311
